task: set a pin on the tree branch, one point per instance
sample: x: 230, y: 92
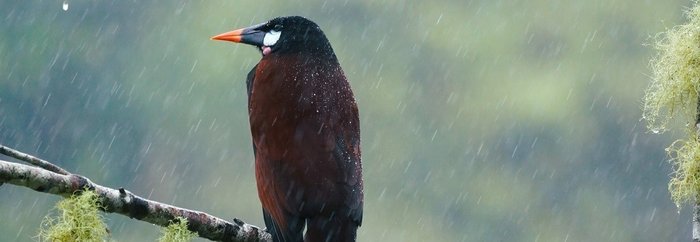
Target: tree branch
x: 32, y: 160
x: 126, y: 203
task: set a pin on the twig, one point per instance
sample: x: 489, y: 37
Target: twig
x: 126, y: 203
x: 32, y: 160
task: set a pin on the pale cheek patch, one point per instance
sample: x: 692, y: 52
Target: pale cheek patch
x: 271, y: 38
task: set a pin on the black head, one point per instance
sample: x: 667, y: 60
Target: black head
x: 291, y: 34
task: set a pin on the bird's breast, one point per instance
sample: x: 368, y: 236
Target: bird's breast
x: 290, y: 106
x: 305, y: 128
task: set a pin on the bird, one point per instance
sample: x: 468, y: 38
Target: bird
x: 305, y: 128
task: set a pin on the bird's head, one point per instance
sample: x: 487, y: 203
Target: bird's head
x: 291, y: 34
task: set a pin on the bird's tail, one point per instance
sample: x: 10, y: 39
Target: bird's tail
x: 323, y: 229
x: 292, y: 233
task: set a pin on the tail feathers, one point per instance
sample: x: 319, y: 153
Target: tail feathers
x: 292, y: 233
x: 323, y: 229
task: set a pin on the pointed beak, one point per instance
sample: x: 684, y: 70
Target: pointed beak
x: 233, y: 36
x: 250, y: 35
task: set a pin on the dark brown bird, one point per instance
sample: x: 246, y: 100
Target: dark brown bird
x: 306, y: 132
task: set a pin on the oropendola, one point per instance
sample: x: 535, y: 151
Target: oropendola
x: 306, y: 132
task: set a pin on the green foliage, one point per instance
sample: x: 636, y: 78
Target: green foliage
x: 674, y: 89
x: 177, y: 232
x: 79, y: 219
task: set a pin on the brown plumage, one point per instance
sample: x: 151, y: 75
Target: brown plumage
x: 306, y: 133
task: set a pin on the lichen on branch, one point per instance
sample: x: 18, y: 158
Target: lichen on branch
x: 78, y: 218
x: 177, y: 232
x: 124, y: 202
x: 685, y: 183
x: 676, y: 74
x: 673, y: 94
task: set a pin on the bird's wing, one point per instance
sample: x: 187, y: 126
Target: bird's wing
x: 347, y: 154
x: 249, y: 81
x: 249, y: 88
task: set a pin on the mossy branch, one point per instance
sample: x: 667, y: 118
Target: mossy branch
x: 126, y: 203
x: 177, y: 232
x: 675, y: 91
x: 684, y: 184
x: 676, y: 74
x: 77, y: 219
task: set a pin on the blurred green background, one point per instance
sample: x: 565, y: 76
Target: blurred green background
x: 482, y: 120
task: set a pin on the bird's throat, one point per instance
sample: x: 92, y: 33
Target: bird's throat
x: 266, y: 50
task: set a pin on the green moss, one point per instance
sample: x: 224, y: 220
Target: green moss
x: 78, y: 219
x: 177, y: 232
x: 676, y: 74
x: 685, y: 157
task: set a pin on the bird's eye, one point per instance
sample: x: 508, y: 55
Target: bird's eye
x: 278, y: 27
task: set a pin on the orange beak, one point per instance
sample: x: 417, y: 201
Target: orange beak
x: 251, y: 35
x: 233, y: 36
